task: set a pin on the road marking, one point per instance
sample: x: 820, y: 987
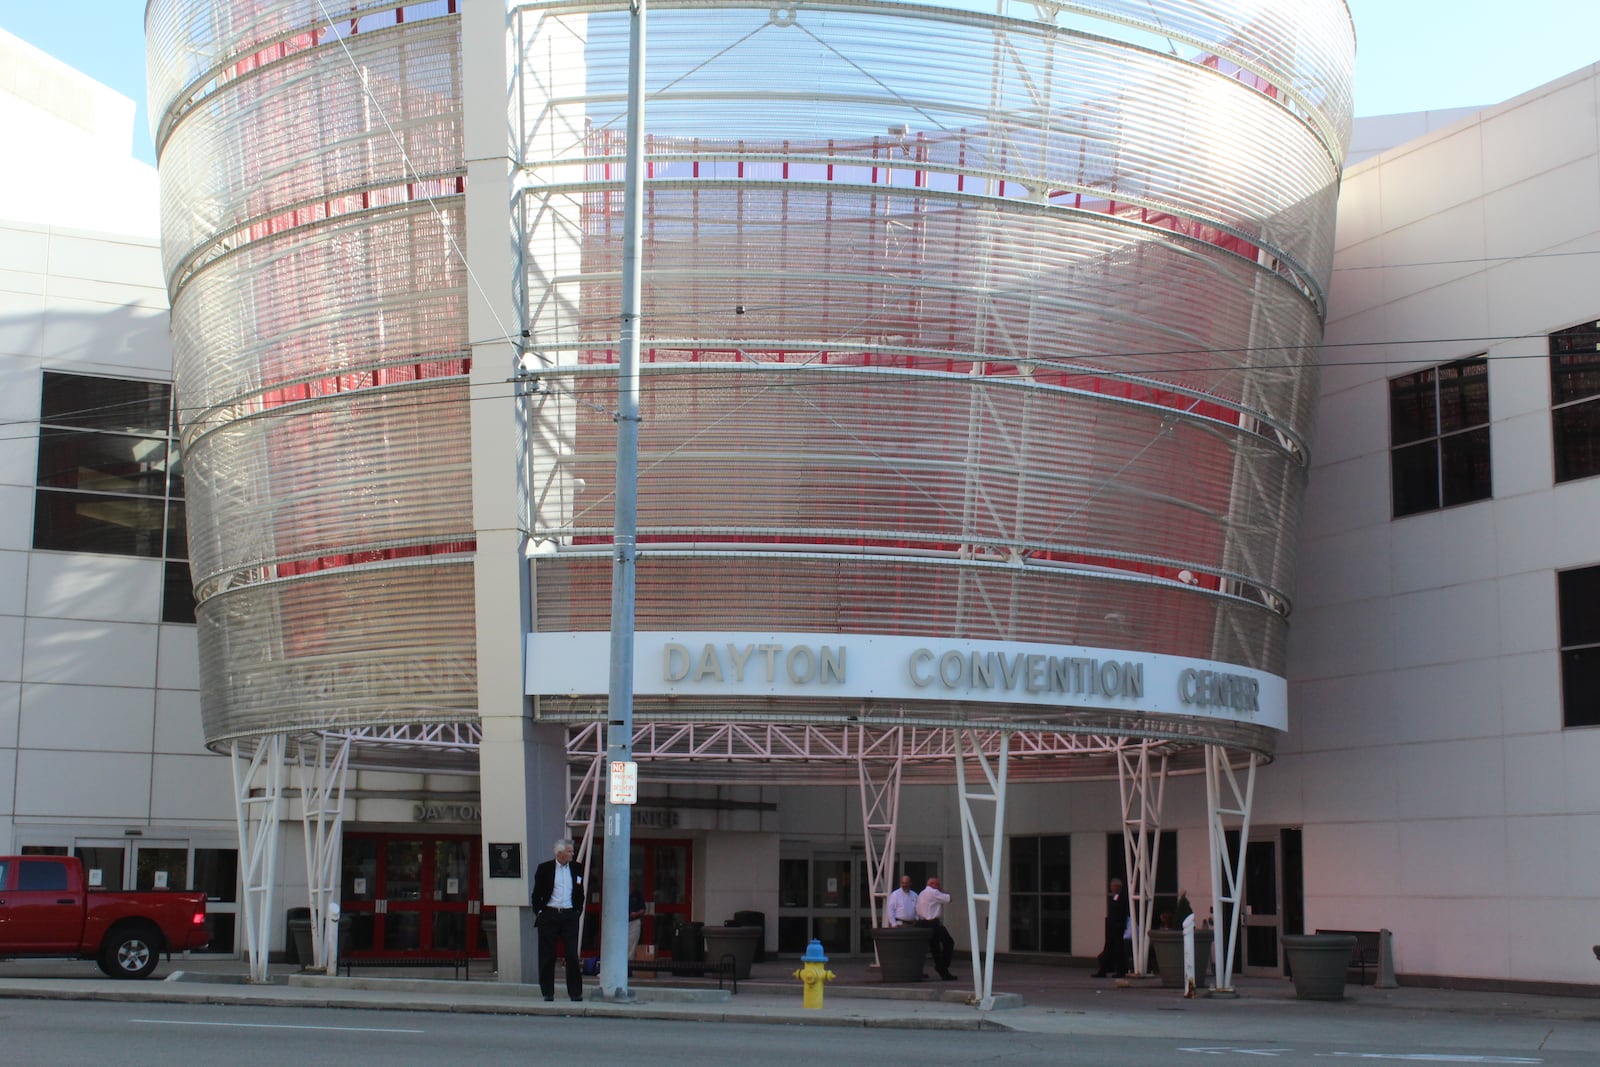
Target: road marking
x: 1430, y: 1057
x: 278, y: 1026
x: 1219, y: 1050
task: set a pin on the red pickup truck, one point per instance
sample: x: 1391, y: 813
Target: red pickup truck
x: 46, y: 910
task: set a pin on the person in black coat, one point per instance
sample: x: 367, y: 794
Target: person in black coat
x: 557, y: 906
x: 1114, y: 957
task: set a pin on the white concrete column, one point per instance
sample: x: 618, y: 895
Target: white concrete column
x: 522, y: 766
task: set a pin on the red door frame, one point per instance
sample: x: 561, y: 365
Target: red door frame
x: 424, y: 907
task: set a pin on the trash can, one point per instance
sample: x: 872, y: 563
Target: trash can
x: 757, y: 919
x: 686, y: 942
x: 297, y: 948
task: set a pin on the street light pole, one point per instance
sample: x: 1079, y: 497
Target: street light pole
x: 619, y: 728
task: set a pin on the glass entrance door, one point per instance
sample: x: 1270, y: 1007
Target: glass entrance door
x: 661, y: 870
x: 825, y: 896
x: 409, y: 894
x: 1262, y: 925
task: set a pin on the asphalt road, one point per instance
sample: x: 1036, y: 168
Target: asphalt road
x: 71, y: 1032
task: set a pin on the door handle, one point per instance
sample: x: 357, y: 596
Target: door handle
x: 69, y: 900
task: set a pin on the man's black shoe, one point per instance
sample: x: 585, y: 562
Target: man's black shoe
x: 549, y: 1000
x: 948, y: 977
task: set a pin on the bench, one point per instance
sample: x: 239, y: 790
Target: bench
x: 726, y: 967
x: 1366, y: 952
x: 458, y: 960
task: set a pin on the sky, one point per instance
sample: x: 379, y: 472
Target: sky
x: 1411, y: 55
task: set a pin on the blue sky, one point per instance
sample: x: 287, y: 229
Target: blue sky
x: 1412, y: 55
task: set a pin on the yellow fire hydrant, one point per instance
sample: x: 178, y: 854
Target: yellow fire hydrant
x: 813, y: 973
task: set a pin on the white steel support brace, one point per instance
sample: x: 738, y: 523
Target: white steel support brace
x: 583, y: 801
x: 879, y: 779
x: 322, y: 779
x: 972, y: 844
x: 257, y: 796
x: 1143, y: 787
x: 1226, y: 800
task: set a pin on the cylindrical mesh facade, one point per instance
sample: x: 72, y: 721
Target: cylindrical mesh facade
x: 956, y: 324
x: 312, y: 182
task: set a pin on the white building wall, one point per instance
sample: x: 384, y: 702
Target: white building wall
x: 1440, y: 796
x: 99, y: 705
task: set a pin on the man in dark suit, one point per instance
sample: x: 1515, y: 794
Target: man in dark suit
x: 1114, y: 957
x: 557, y: 905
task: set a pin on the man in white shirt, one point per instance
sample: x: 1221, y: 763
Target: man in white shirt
x: 903, y: 904
x: 930, y: 912
x: 558, y: 894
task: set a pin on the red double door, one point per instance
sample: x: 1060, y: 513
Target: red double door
x: 663, y: 872
x: 410, y: 894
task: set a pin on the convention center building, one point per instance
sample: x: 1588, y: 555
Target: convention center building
x: 1070, y: 448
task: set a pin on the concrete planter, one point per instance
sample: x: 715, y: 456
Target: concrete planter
x: 901, y: 950
x: 736, y: 941
x: 1168, y: 946
x: 1317, y: 963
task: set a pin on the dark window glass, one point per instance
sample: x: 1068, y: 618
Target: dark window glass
x: 1041, y: 921
x: 1576, y: 430
x: 41, y: 876
x: 1464, y: 466
x: 1413, y: 407
x: 177, y: 530
x: 90, y: 403
x: 102, y: 462
x: 1439, y: 436
x: 1580, y: 687
x: 109, y: 476
x: 1025, y: 865
x: 1166, y: 890
x: 1055, y: 864
x: 1024, y: 922
x: 1575, y: 394
x: 86, y: 522
x: 1055, y: 923
x: 1463, y: 395
x: 216, y: 873
x: 1414, y: 478
x: 177, y: 600
x: 1575, y: 363
x: 1578, y: 593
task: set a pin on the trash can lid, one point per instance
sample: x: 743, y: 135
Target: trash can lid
x: 814, y: 953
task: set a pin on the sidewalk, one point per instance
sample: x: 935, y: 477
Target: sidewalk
x: 1030, y: 998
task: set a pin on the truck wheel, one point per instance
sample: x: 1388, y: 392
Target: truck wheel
x: 131, y: 952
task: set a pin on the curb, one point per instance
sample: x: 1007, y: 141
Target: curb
x: 281, y: 996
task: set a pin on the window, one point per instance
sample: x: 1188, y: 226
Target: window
x: 41, y: 876
x: 1041, y: 904
x: 1577, y: 592
x: 1165, y: 904
x: 110, y: 479
x: 1439, y: 436
x: 1575, y: 400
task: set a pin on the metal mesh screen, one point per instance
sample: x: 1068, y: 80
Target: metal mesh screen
x: 312, y: 181
x: 957, y: 323
x: 992, y: 323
